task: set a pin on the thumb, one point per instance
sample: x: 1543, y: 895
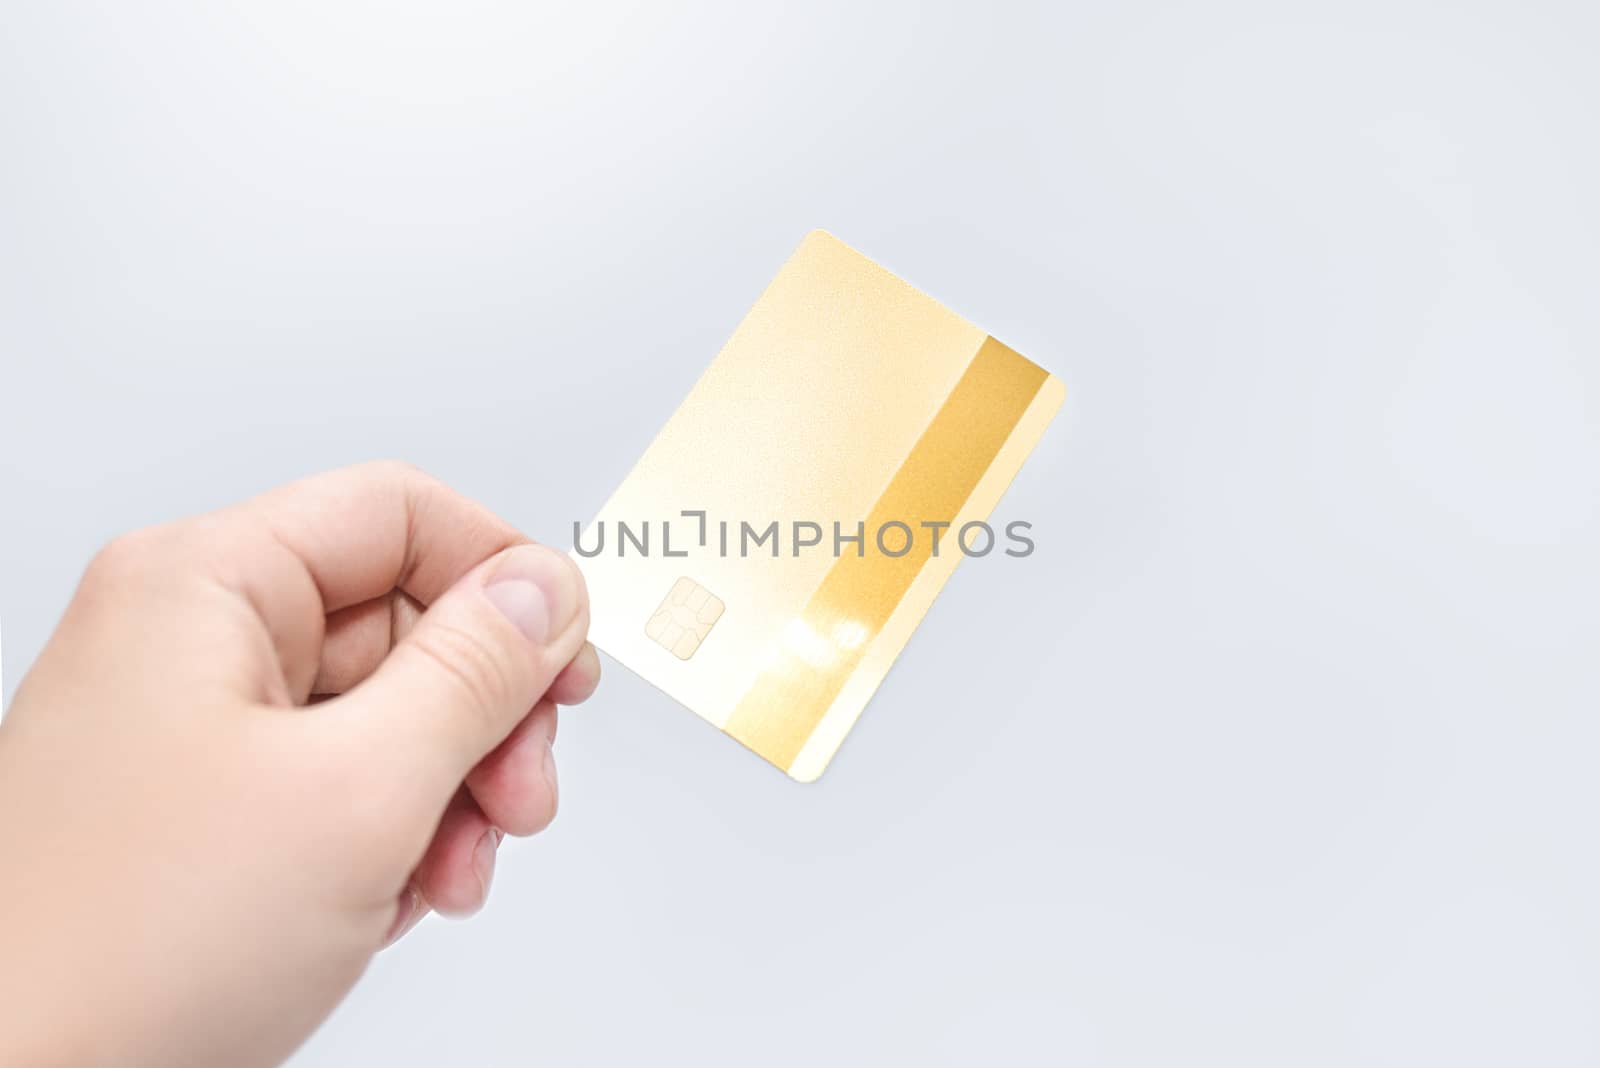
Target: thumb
x: 478, y: 659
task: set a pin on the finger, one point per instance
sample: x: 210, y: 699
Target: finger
x: 454, y: 874
x: 363, y: 531
x: 578, y: 679
x: 359, y: 637
x: 515, y: 785
x: 470, y: 669
x: 305, y: 551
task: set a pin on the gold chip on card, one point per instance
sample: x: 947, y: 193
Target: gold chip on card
x: 685, y: 618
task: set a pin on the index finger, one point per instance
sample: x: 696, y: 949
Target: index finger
x: 345, y: 537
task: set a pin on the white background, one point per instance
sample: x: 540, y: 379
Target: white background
x: 1281, y: 748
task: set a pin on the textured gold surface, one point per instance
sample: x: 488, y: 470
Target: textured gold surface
x: 820, y: 398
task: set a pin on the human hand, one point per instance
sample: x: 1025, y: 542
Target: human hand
x: 198, y: 857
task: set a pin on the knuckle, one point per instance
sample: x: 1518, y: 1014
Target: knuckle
x: 125, y: 556
x: 397, y: 472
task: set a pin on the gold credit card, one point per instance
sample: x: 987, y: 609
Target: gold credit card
x: 772, y: 551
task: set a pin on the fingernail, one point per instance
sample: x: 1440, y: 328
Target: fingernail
x: 537, y: 589
x: 550, y: 775
x: 404, y: 910
x: 483, y: 859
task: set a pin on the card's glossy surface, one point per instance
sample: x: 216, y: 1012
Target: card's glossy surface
x: 846, y: 403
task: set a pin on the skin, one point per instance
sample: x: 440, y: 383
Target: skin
x: 261, y: 744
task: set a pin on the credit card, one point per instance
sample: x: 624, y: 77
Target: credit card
x: 771, y: 553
